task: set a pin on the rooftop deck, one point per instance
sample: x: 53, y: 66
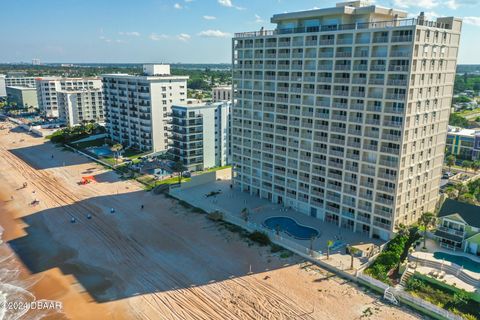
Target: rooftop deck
x: 349, y: 26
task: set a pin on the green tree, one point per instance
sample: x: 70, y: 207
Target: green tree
x: 451, y: 192
x: 353, y: 251
x: 467, y: 164
x: 116, y: 148
x: 329, y: 245
x: 458, y: 121
x: 450, y: 161
x: 427, y: 220
x: 179, y: 168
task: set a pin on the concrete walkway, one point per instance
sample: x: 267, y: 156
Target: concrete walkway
x: 232, y: 201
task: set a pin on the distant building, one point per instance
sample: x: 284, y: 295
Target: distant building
x: 200, y: 135
x: 51, y: 99
x: 138, y: 106
x: 463, y: 143
x: 78, y: 106
x: 19, y: 81
x: 459, y: 227
x: 22, y: 96
x: 3, y: 90
x: 222, y: 93
x: 36, y: 62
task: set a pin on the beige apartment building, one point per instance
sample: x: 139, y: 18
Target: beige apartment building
x: 341, y: 113
x: 222, y: 93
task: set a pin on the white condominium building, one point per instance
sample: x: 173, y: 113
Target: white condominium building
x: 222, y: 93
x: 54, y: 104
x: 20, y: 81
x: 138, y: 106
x: 200, y: 135
x: 342, y: 113
x: 79, y: 106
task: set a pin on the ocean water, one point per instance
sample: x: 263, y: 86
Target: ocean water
x: 16, y: 299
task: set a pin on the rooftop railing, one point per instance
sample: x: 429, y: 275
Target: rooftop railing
x: 350, y: 26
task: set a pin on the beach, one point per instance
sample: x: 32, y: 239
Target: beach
x: 161, y: 262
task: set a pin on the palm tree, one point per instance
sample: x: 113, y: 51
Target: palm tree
x: 402, y: 229
x: 450, y: 161
x: 451, y: 192
x: 329, y: 245
x: 179, y: 167
x: 116, y: 148
x: 427, y: 219
x: 352, y: 251
x: 467, y: 164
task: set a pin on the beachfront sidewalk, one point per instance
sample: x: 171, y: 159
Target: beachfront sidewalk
x: 231, y: 201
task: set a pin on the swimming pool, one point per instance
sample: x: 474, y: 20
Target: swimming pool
x: 101, y: 151
x: 467, y: 263
x: 291, y: 227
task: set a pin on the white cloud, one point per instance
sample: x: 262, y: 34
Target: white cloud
x: 130, y: 34
x: 158, y: 37
x: 427, y: 4
x: 189, y: 1
x: 229, y: 4
x: 214, y: 34
x: 184, y: 37
x: 108, y: 40
x: 177, y: 6
x: 475, y: 21
x: 452, y: 4
x: 226, y: 3
x: 209, y: 17
x: 258, y: 19
x: 431, y: 15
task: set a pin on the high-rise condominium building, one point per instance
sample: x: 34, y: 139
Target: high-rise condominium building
x: 222, y: 93
x: 342, y: 113
x: 138, y: 107
x: 200, y: 134
x: 84, y: 101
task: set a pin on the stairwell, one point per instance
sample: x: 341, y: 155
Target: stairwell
x: 405, y: 276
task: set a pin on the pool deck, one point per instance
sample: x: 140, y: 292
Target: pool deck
x: 432, y: 247
x: 232, y: 201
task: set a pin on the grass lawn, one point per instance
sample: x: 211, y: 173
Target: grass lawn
x: 212, y: 170
x: 468, y: 112
x: 87, y: 144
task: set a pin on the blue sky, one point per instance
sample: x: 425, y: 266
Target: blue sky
x: 196, y: 31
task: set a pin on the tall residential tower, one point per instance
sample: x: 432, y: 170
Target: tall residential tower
x: 138, y: 107
x: 341, y: 113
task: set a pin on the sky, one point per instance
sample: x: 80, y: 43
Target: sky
x: 172, y: 31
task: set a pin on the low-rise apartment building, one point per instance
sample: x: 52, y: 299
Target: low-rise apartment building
x: 137, y: 107
x: 200, y: 135
x: 23, y: 96
x: 463, y: 143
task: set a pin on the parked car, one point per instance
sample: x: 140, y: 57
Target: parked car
x: 186, y: 174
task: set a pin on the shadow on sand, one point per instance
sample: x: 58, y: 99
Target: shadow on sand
x: 134, y: 252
